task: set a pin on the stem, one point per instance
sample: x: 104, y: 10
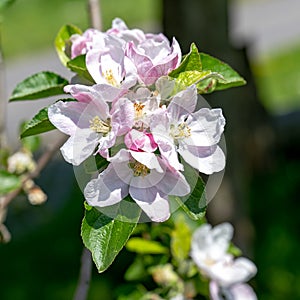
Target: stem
x: 94, y: 11
x: 3, y: 140
x: 84, y: 276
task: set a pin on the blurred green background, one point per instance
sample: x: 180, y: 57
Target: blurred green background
x: 42, y: 260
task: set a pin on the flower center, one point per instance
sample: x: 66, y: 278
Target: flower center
x: 99, y: 126
x: 180, y: 131
x: 138, y: 109
x: 139, y: 169
x: 109, y: 76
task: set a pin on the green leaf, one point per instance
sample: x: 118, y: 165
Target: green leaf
x: 234, y: 250
x: 104, y: 237
x: 226, y: 76
x: 63, y: 43
x: 136, y: 271
x: 8, y: 182
x: 30, y: 143
x: 191, y: 62
x: 78, y: 66
x: 193, y: 204
x: 142, y: 246
x: 180, y: 239
x: 188, y: 78
x: 40, y: 85
x: 38, y: 124
x: 95, y: 163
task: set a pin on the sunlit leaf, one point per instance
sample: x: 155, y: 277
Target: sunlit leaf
x: 191, y: 62
x: 62, y: 42
x: 180, y: 239
x: 38, y: 124
x: 104, y: 236
x: 228, y: 77
x: 39, y: 85
x: 142, y: 246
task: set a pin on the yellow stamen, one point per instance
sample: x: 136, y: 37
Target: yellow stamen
x: 138, y: 108
x: 139, y: 169
x: 99, y: 126
x: 109, y: 76
x: 180, y: 131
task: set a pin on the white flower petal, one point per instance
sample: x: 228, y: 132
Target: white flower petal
x: 229, y: 271
x: 207, y: 126
x: 203, y: 158
x: 210, y: 245
x: 80, y: 146
x: 106, y: 190
x: 183, y: 103
x: 150, y: 201
x: 66, y: 115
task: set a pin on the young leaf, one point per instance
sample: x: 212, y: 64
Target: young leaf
x: 180, y: 239
x: 104, y: 237
x: 142, y: 246
x: 63, y: 43
x: 227, y: 76
x: 191, y: 62
x: 40, y: 85
x: 78, y: 66
x: 38, y: 124
x: 8, y: 182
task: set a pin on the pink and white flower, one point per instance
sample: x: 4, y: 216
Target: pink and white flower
x: 154, y: 57
x: 90, y: 124
x: 108, y: 64
x: 81, y: 44
x: 147, y: 178
x: 194, y: 135
x: 240, y: 291
x: 209, y: 252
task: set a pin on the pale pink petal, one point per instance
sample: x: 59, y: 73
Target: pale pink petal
x: 183, y: 103
x: 231, y: 271
x: 80, y: 146
x: 173, y: 183
x: 65, y: 116
x: 106, y: 190
x: 151, y: 202
x: 205, y: 159
x: 123, y: 115
x: 207, y: 126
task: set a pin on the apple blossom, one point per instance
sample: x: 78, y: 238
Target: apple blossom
x: 90, y: 124
x: 147, y: 178
x: 194, y: 135
x: 209, y: 252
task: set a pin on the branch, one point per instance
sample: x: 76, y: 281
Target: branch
x: 94, y: 11
x: 41, y: 163
x: 84, y: 276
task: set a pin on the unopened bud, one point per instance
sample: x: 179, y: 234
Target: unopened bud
x: 21, y: 162
x: 36, y: 196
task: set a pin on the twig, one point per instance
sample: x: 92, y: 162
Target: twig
x: 41, y: 163
x: 95, y: 14
x: 3, y: 141
x: 84, y: 276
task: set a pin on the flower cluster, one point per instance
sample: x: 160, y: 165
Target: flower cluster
x: 209, y: 252
x: 137, y: 118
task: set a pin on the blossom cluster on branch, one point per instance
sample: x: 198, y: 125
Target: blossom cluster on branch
x: 136, y: 126
x: 136, y: 112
